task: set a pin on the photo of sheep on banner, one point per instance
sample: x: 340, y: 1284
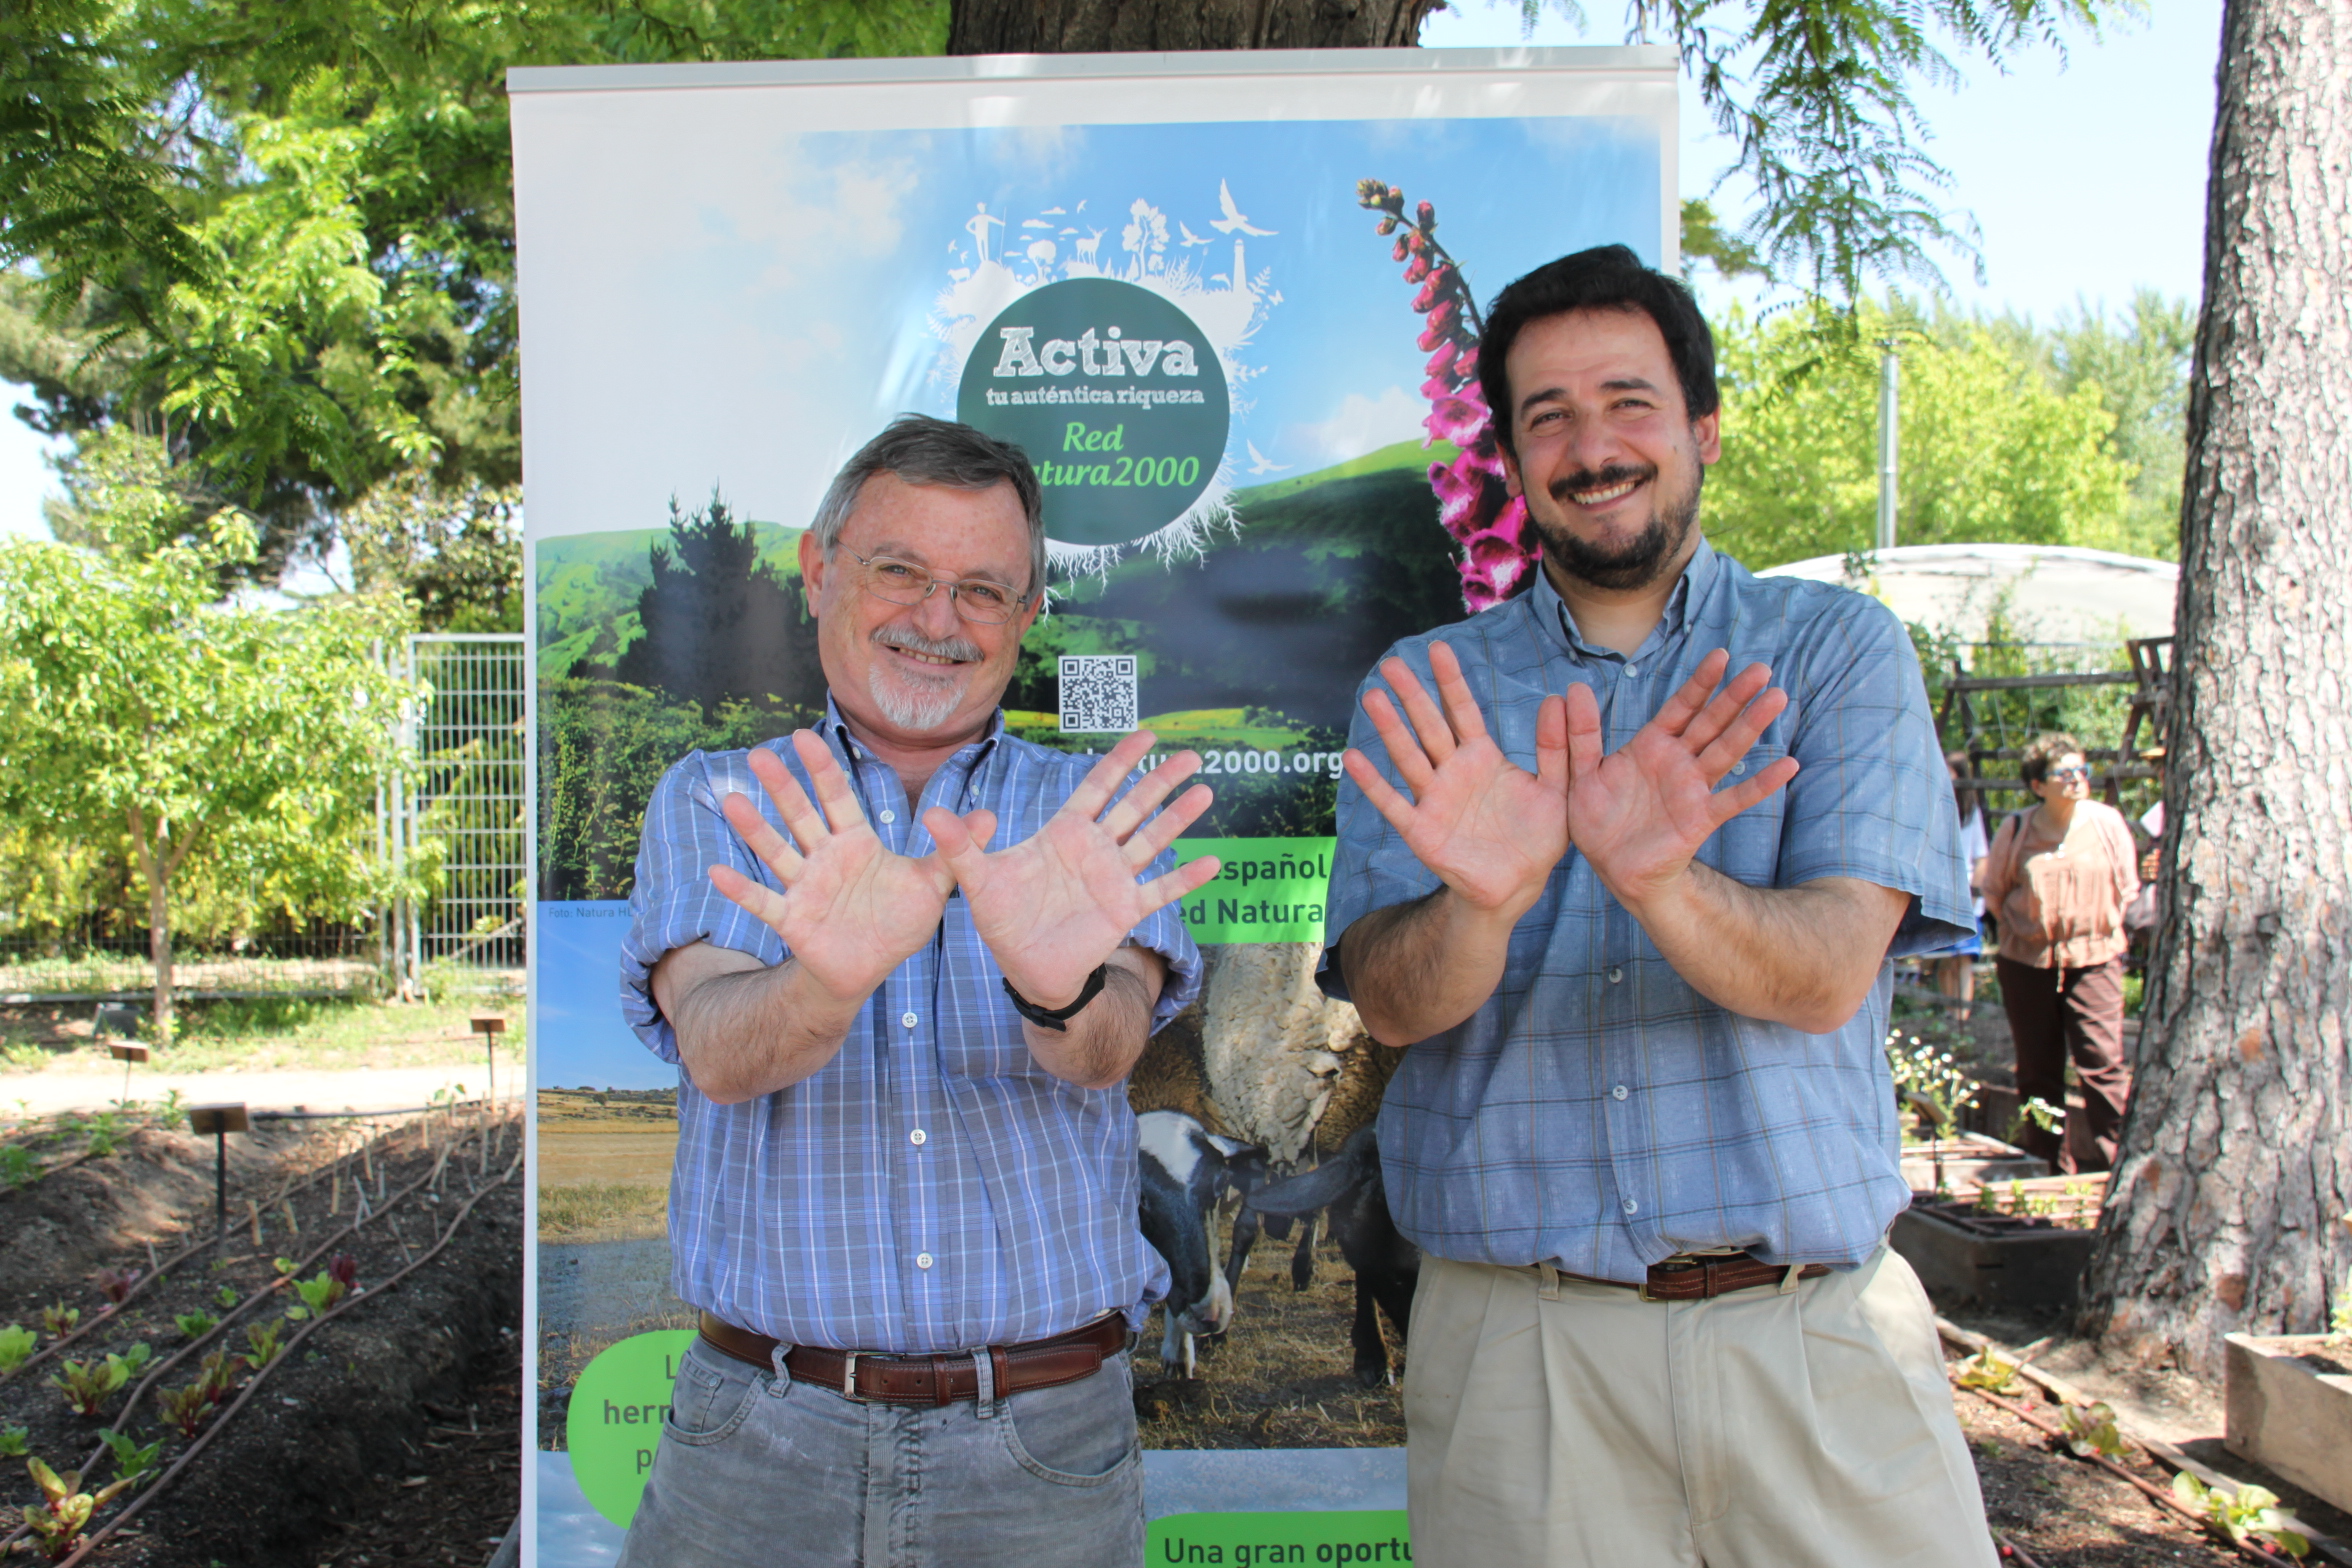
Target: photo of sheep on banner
x: 1230, y: 307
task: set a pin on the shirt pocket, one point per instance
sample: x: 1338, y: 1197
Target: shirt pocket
x: 1747, y: 848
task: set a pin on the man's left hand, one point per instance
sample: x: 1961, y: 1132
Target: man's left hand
x: 1053, y: 908
x: 1641, y: 812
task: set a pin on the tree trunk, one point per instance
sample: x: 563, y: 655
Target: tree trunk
x: 2227, y: 1203
x: 156, y: 863
x: 1114, y: 26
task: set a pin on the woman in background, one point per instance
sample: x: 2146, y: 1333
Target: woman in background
x: 1955, y: 966
x: 2058, y: 878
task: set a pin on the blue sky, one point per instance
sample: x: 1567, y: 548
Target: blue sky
x: 2087, y: 180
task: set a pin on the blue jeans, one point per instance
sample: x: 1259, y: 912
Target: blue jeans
x: 757, y: 1469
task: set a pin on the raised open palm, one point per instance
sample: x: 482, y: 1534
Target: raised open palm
x: 1054, y: 907
x: 1641, y: 812
x: 1491, y: 830
x: 852, y: 910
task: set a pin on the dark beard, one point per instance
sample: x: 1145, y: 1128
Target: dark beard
x: 1639, y: 562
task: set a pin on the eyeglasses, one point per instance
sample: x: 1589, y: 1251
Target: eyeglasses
x: 2078, y: 771
x: 976, y: 599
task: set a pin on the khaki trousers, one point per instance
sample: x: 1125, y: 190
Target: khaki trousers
x: 1551, y: 1422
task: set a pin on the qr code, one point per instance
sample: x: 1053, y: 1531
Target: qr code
x: 1098, y: 694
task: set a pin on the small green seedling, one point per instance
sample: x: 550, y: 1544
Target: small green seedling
x: 58, y: 1319
x: 195, y: 1325
x: 2248, y: 1515
x: 218, y: 1377
x: 65, y: 1509
x: 321, y: 1294
x: 131, y: 1460
x: 226, y: 1296
x: 284, y: 1265
x: 12, y: 1442
x: 2090, y: 1429
x: 16, y: 1343
x: 186, y: 1408
x: 19, y: 1166
x: 263, y: 1337
x: 1992, y: 1373
x: 87, y: 1385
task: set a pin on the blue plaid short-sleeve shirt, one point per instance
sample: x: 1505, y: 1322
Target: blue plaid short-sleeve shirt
x: 931, y: 1188
x: 1597, y: 1113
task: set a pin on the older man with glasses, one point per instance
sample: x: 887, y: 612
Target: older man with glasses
x: 906, y: 1184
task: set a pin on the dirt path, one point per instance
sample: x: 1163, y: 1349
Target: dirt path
x: 356, y: 1089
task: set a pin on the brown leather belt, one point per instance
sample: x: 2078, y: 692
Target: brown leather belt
x: 1704, y: 1277
x: 931, y: 1380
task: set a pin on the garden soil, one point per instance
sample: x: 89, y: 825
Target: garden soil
x: 387, y: 1435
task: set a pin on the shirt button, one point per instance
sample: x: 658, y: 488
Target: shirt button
x: 1629, y: 1206
x: 1615, y: 974
x: 922, y: 1260
x: 917, y: 1137
x: 908, y: 1019
x: 889, y: 817
x: 1617, y: 1093
x: 1739, y: 767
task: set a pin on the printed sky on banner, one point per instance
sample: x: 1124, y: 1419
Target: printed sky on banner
x: 768, y: 299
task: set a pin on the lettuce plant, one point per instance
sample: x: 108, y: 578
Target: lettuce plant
x: 58, y: 1319
x: 12, y: 1442
x: 16, y: 1343
x: 226, y: 1296
x: 263, y: 1337
x: 64, y: 1511
x: 186, y: 1408
x: 131, y: 1460
x: 87, y: 1385
x: 2090, y: 1429
x: 2250, y: 1514
x: 195, y: 1325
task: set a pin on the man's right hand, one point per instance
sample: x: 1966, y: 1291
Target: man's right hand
x: 1491, y: 830
x: 852, y: 910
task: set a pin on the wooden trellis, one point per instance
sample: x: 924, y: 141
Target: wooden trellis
x: 1990, y: 738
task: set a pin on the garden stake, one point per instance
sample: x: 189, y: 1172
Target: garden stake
x: 287, y: 1208
x: 253, y: 1211
x: 220, y: 1121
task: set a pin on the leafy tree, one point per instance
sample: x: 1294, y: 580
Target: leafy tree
x: 457, y: 555
x: 1992, y: 450
x: 237, y: 741
x: 720, y: 625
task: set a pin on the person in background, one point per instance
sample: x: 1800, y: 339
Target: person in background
x: 1955, y: 966
x: 2057, y: 878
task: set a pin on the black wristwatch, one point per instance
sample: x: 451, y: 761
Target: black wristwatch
x: 1058, y: 1018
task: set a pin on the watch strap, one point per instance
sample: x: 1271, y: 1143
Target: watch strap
x: 1058, y: 1018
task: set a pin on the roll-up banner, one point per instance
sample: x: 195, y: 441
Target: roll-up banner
x: 1229, y: 304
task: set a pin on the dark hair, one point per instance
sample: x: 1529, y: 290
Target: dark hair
x: 926, y: 451
x: 1963, y: 771
x: 1607, y: 277
x: 2046, y: 750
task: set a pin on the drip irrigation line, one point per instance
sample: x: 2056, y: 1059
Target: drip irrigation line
x: 2013, y: 1552
x: 326, y: 1116
x: 154, y: 1488
x: 58, y: 1346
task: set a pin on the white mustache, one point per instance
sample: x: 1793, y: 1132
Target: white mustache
x: 909, y: 640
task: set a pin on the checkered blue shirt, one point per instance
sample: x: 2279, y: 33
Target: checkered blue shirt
x: 1597, y: 1113
x: 931, y: 1188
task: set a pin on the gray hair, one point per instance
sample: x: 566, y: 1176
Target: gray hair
x: 926, y: 451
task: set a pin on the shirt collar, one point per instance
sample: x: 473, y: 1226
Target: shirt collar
x: 1692, y: 588
x: 837, y: 735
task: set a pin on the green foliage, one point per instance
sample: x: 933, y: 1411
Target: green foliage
x: 129, y: 700
x: 2250, y: 1514
x: 1930, y: 1078
x: 87, y: 1385
x: 64, y: 1511
x: 58, y: 1319
x: 707, y: 573
x: 1988, y: 1370
x: 226, y: 1296
x: 264, y: 1340
x: 2090, y: 1429
x: 16, y: 1344
x: 12, y: 1442
x: 19, y: 1166
x: 186, y: 1407
x: 131, y: 1459
x: 456, y: 554
x: 1992, y: 450
x: 195, y: 1325
x: 2040, y: 1113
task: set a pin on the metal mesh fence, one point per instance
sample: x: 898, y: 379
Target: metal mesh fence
x: 467, y: 804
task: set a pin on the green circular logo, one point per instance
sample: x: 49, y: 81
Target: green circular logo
x: 1116, y: 396
x: 616, y: 1418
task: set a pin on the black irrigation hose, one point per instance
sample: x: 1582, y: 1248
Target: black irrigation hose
x: 157, y: 1271
x: 153, y: 1488
x: 258, y: 1297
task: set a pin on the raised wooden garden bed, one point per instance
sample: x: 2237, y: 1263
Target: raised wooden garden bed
x: 2021, y: 1243
x: 2290, y: 1408
x: 1966, y: 1161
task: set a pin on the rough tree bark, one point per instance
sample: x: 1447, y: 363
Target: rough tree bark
x: 1110, y: 26
x: 2227, y: 1203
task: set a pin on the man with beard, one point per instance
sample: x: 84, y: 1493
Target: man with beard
x: 906, y: 1182
x: 1634, y: 922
